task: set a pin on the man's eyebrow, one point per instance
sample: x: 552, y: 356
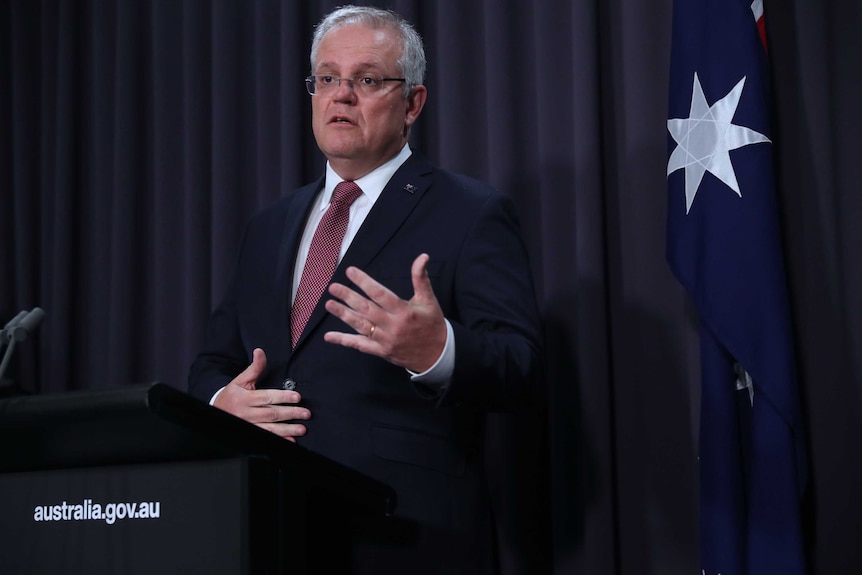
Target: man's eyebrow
x: 359, y: 69
x: 324, y: 66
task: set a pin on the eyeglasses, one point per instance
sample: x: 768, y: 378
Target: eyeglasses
x: 366, y: 85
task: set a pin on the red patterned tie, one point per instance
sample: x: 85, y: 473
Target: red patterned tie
x: 322, y: 256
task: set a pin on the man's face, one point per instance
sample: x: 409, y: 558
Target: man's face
x: 358, y: 132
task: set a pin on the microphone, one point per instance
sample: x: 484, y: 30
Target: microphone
x: 7, y: 329
x: 27, y: 324
x: 18, y: 328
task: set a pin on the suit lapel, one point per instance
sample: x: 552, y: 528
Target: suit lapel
x: 398, y: 199
x: 296, y: 213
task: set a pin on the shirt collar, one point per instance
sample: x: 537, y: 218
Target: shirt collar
x: 372, y: 183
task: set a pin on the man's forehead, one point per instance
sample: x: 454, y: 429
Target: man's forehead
x: 368, y: 45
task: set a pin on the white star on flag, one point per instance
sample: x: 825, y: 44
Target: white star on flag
x: 705, y: 138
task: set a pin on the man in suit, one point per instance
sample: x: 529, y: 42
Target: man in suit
x: 428, y: 320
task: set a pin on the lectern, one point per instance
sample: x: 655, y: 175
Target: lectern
x: 148, y: 480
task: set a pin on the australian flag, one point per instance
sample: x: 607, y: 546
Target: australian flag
x: 724, y: 246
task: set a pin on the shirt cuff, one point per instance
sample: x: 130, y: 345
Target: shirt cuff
x: 215, y: 395
x: 439, y: 374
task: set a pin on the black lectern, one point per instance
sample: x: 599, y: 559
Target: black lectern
x: 147, y: 479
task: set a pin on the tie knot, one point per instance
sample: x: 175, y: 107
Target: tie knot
x: 345, y: 193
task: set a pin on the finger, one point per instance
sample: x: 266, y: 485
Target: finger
x: 249, y: 376
x: 282, y: 413
x: 361, y: 323
x: 266, y: 397
x: 275, y: 414
x: 286, y: 430
x: 358, y: 342
x: 351, y: 299
x: 421, y: 282
x: 376, y: 291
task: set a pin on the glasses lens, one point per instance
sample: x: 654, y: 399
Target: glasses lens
x: 326, y: 84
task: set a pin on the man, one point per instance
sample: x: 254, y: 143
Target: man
x: 432, y: 317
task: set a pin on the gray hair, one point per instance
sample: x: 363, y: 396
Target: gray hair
x: 412, y: 60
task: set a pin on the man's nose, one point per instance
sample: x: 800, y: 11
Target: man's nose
x: 345, y: 90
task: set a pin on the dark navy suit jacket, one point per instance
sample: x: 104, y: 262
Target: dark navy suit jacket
x: 365, y: 412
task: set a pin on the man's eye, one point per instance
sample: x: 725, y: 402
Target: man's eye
x: 367, y: 81
x: 325, y: 79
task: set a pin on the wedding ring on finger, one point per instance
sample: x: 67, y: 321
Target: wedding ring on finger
x: 371, y: 333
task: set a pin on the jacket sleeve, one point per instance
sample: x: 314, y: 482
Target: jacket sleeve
x: 498, y: 335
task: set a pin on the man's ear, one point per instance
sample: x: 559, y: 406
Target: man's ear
x: 415, y: 102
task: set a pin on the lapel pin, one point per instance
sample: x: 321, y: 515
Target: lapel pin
x: 410, y: 188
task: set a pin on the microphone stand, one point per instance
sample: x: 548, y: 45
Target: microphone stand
x: 5, y: 363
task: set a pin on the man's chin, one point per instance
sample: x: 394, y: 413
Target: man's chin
x: 343, y: 149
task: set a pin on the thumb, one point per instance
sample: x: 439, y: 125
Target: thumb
x: 248, y: 378
x: 422, y: 289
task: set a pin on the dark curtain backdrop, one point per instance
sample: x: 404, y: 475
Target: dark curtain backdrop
x: 136, y: 138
